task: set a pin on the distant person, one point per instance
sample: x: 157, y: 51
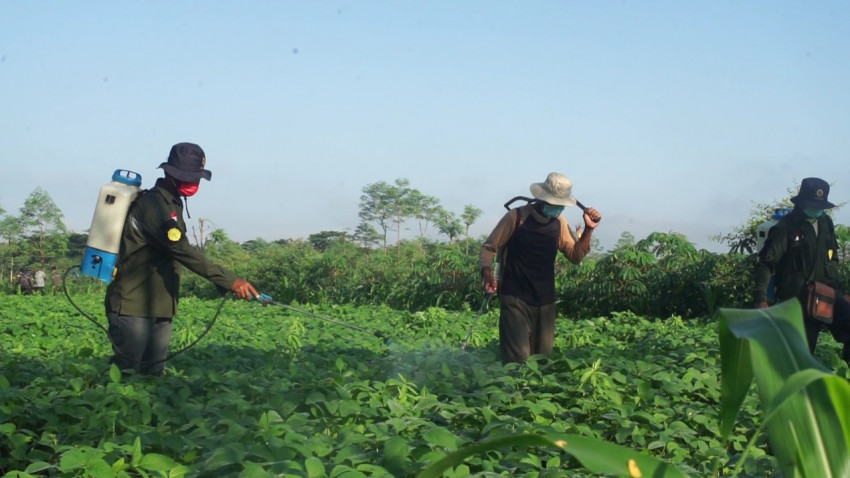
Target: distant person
x: 57, y: 279
x: 25, y: 281
x: 141, y: 301
x: 38, y: 281
x: 532, y: 235
x: 801, y: 247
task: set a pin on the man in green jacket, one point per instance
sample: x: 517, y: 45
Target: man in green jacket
x: 141, y: 301
x: 801, y: 247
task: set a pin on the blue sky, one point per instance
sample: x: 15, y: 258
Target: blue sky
x: 667, y: 115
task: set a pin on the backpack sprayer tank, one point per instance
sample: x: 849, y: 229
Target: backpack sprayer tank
x: 761, y: 236
x: 104, y: 239
x: 763, y: 228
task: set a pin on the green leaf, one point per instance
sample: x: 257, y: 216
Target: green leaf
x: 315, y: 467
x: 72, y: 459
x: 253, y: 470
x: 37, y: 466
x: 441, y: 437
x: 114, y: 374
x: 804, y: 407
x: 156, y: 462
x: 137, y: 452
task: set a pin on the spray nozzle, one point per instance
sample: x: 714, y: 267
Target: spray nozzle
x: 265, y: 299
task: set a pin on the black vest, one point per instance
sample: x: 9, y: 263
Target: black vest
x: 529, y: 269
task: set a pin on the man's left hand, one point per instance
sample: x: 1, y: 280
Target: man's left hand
x: 591, y: 218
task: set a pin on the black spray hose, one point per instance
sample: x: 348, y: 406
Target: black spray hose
x: 106, y: 331
x: 266, y: 299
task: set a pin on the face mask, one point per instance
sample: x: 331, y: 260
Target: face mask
x: 812, y: 212
x: 188, y: 189
x: 552, y: 211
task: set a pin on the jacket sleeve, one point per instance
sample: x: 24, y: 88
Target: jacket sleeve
x: 500, y: 236
x: 573, y: 250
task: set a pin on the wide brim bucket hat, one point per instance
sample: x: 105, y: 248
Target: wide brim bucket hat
x: 813, y: 193
x: 556, y: 190
x: 186, y: 163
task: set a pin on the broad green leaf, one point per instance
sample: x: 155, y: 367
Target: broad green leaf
x: 807, y: 432
x: 37, y: 466
x: 315, y: 467
x: 115, y: 374
x: 156, y: 462
x: 137, y: 452
x: 253, y: 470
x: 72, y: 459
x: 441, y: 437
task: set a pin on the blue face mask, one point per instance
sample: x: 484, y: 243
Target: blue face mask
x: 552, y: 211
x: 813, y: 212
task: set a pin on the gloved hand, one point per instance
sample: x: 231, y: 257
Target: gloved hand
x: 244, y: 290
x: 490, y: 284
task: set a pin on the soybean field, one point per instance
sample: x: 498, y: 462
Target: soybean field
x: 274, y: 392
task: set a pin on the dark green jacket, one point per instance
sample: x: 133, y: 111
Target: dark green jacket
x: 153, y: 247
x: 796, y: 255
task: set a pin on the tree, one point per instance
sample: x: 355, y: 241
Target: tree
x: 469, y: 216
x: 366, y: 235
x: 376, y: 206
x: 11, y: 233
x: 626, y: 239
x: 321, y: 241
x: 448, y: 223
x: 424, y: 210
x: 742, y: 239
x: 42, y: 222
x: 384, y: 203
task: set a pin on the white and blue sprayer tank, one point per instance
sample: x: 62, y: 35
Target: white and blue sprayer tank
x: 762, y: 231
x: 104, y: 239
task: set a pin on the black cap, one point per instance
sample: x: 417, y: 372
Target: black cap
x: 813, y: 193
x: 186, y: 162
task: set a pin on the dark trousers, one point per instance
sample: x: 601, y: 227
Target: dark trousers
x: 139, y: 343
x: 525, y: 330
x: 840, y: 327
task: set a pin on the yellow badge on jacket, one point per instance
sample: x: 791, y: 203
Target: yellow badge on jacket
x: 830, y: 254
x: 174, y: 234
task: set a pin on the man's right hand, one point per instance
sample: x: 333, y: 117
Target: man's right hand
x: 244, y: 290
x: 490, y: 284
x: 761, y: 305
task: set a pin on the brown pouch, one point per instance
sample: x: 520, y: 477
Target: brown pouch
x: 820, y: 303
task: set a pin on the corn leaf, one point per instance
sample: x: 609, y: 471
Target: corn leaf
x: 804, y: 404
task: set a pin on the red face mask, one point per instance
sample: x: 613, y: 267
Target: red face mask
x: 188, y: 189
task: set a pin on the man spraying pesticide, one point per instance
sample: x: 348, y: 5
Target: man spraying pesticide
x: 139, y: 247
x: 527, y: 239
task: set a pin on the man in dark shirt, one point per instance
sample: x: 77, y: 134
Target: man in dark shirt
x: 800, y: 248
x: 141, y: 301
x: 527, y: 240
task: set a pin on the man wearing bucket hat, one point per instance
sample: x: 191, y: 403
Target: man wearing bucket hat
x: 799, y: 249
x: 527, y: 240
x: 141, y: 300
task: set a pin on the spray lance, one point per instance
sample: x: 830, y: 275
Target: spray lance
x: 475, y: 322
x: 267, y: 299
